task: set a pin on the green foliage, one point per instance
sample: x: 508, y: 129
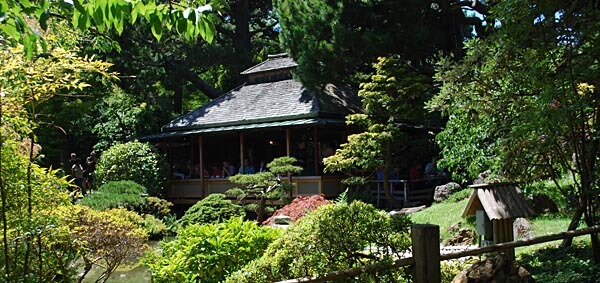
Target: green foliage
x: 111, y: 237
x: 460, y: 195
x: 394, y: 94
x: 155, y: 228
x: 332, y: 237
x: 116, y: 194
x: 284, y: 165
x: 121, y: 117
x: 451, y: 268
x: 214, y: 208
x: 184, y: 18
x: 513, y: 105
x: 134, y: 161
x: 30, y: 235
x: 334, y: 41
x: 208, y: 253
x: 265, y: 185
x: 554, y: 265
x: 158, y: 207
x: 130, y: 195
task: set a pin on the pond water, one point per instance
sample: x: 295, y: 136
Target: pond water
x: 132, y: 273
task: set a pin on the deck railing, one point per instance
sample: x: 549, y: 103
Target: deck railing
x: 405, y: 191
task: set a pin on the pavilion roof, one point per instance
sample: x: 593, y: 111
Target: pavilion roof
x: 273, y: 62
x: 270, y: 101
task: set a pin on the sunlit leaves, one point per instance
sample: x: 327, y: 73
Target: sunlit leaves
x: 515, y: 102
x: 210, y: 252
x: 60, y: 72
x: 191, y: 19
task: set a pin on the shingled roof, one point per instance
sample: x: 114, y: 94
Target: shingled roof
x: 499, y: 201
x: 273, y: 62
x: 270, y: 101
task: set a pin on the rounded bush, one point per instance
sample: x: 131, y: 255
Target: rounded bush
x: 134, y: 161
x: 209, y: 252
x: 116, y: 194
x: 214, y: 208
x: 333, y: 237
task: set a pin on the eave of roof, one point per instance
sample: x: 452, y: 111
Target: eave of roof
x: 243, y: 127
x: 500, y: 201
x: 268, y: 102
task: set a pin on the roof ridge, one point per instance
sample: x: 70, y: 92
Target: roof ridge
x: 278, y: 55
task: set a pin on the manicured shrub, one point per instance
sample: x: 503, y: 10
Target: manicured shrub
x: 214, y: 208
x: 134, y: 161
x: 299, y: 207
x: 115, y: 194
x: 333, y: 237
x: 155, y: 227
x: 130, y: 195
x: 209, y: 252
x: 160, y: 208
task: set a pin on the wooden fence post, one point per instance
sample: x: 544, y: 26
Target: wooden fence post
x: 426, y: 252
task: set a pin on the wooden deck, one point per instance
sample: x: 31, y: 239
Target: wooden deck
x: 190, y: 190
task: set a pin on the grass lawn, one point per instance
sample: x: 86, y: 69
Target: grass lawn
x: 546, y: 261
x: 448, y: 213
x: 442, y: 214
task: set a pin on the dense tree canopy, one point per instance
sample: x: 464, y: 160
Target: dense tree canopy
x: 392, y: 96
x: 336, y: 40
x: 523, y: 102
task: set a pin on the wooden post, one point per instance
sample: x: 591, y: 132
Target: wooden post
x: 201, y: 160
x: 288, y: 142
x: 426, y: 252
x: 242, y: 153
x: 316, y: 155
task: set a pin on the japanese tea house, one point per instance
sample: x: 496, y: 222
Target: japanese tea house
x: 269, y: 116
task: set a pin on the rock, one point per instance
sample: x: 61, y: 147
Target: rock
x: 482, y: 178
x: 498, y: 270
x: 454, y: 227
x: 522, y: 228
x: 282, y: 220
x: 543, y: 203
x: 464, y: 237
x: 442, y: 192
x: 406, y: 210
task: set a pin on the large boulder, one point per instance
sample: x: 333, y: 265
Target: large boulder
x: 443, y: 192
x: 497, y: 270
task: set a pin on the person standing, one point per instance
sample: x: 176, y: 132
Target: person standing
x: 90, y: 162
x: 77, y: 174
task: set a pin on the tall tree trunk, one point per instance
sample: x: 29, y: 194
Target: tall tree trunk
x: 242, y: 38
x: 178, y: 98
x: 261, y: 208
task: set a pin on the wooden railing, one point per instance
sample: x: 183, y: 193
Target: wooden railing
x: 426, y: 257
x: 406, y: 191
